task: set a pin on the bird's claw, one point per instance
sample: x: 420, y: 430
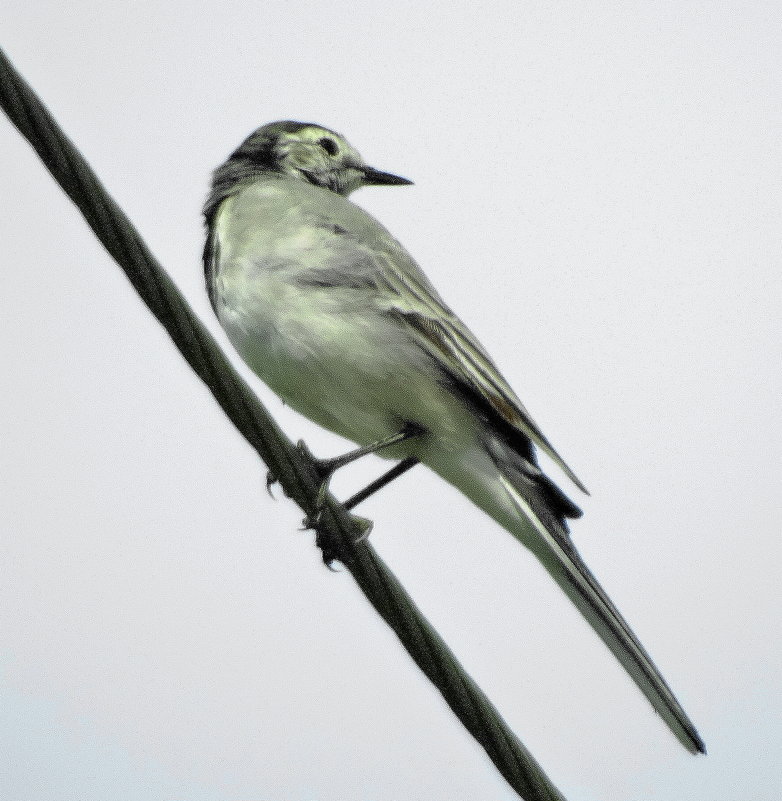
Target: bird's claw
x: 312, y: 522
x: 271, y: 480
x: 320, y: 499
x: 301, y: 447
x: 329, y: 550
x: 324, y: 468
x: 365, y: 526
x: 330, y: 547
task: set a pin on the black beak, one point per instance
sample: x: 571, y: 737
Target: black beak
x: 373, y: 177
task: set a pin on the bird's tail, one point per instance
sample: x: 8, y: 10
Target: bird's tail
x: 544, y: 508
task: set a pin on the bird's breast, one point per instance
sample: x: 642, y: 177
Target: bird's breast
x: 299, y: 302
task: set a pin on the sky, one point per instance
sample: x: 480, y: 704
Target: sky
x: 597, y: 194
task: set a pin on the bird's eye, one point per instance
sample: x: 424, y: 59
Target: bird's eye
x: 329, y: 145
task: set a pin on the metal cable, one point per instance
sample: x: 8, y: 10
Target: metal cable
x: 338, y: 531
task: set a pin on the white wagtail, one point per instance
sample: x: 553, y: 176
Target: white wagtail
x: 336, y: 317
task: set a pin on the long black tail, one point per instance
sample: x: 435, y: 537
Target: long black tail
x: 541, y: 504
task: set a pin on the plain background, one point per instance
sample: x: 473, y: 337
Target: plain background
x: 598, y: 196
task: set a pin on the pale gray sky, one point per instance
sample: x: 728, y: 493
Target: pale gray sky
x: 598, y: 196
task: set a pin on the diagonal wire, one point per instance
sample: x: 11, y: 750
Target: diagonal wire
x: 338, y: 531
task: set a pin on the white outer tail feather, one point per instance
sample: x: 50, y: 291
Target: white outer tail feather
x: 572, y: 575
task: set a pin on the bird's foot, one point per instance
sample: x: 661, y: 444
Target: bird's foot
x: 325, y: 469
x: 365, y: 527
x: 332, y: 548
x: 271, y: 480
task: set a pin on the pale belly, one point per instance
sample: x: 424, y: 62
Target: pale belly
x: 349, y: 368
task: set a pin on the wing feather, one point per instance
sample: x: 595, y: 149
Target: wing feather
x: 448, y: 340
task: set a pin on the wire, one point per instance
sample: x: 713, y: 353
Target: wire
x: 338, y: 531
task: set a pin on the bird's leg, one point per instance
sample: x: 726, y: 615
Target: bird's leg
x: 330, y: 554
x: 327, y: 467
x: 378, y: 484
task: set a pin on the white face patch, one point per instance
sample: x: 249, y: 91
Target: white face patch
x: 318, y: 152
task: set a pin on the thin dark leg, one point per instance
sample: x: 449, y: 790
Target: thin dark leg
x: 381, y: 482
x: 329, y: 466
x: 326, y: 467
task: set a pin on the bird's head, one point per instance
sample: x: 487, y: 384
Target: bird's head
x: 311, y: 153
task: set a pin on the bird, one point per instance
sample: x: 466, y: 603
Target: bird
x: 338, y: 320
